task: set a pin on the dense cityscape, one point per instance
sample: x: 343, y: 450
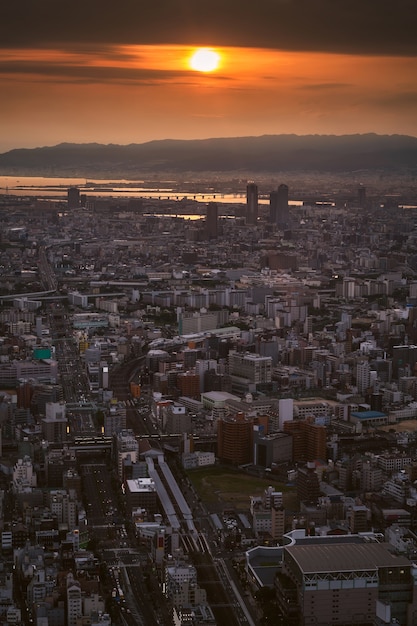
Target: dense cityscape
x: 208, y: 406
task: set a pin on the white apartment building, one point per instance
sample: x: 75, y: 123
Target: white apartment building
x: 24, y: 473
x: 74, y: 601
x: 393, y: 462
x: 363, y: 376
x: 255, y: 368
x: 127, y: 446
x: 397, y: 488
x: 65, y: 508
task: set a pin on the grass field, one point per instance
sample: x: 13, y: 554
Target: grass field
x: 231, y: 487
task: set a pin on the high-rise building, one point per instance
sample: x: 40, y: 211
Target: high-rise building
x: 181, y: 587
x: 189, y: 384
x: 271, y: 449
x: 126, y: 446
x: 74, y: 601
x: 282, y: 213
x: 273, y: 203
x: 141, y: 493
x: 308, y: 484
x: 115, y: 419
x: 357, y: 518
x: 348, y: 289
x: 54, y: 424
x: 404, y: 359
x: 268, y: 514
x: 251, y: 203
x: 212, y: 220
x: 255, y: 368
x: 363, y: 376
x: 234, y: 439
x: 286, y: 411
x: 73, y: 198
x: 176, y: 419
x: 309, y: 439
x: 362, y: 197
x: 24, y: 393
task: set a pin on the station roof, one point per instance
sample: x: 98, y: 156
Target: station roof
x: 344, y: 557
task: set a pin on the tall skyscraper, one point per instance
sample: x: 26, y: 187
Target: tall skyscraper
x: 282, y: 214
x: 73, y: 198
x: 212, y: 220
x: 278, y: 206
x: 251, y: 203
x: 362, y: 197
x: 273, y: 203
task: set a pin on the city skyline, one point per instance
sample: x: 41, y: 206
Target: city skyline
x: 83, y: 73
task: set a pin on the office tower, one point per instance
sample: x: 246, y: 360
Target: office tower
x: 141, y: 493
x: 362, y: 197
x: 176, y: 419
x: 282, y: 214
x: 275, y: 448
x: 57, y: 463
x: 348, y: 288
x: 404, y: 359
x: 273, y: 203
x: 115, y: 419
x: 308, y: 484
x: 212, y: 220
x: 43, y: 393
x: 253, y: 367
x: 251, y: 203
x: 54, y: 424
x: 126, y: 447
x: 73, y: 198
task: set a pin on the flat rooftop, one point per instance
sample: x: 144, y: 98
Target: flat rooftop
x: 141, y: 485
x: 344, y: 557
x: 367, y: 415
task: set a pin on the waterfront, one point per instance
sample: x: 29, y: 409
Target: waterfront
x: 57, y: 188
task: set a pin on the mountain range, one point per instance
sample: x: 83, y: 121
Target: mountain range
x: 268, y: 153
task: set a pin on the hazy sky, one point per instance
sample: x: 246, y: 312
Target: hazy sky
x: 118, y: 72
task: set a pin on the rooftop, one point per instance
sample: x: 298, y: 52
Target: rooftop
x: 367, y: 415
x: 343, y: 557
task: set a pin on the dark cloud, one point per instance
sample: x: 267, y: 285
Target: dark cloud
x: 63, y: 73
x: 349, y: 26
x: 324, y: 86
x: 402, y: 99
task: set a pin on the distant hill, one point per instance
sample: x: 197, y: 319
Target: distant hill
x: 269, y: 153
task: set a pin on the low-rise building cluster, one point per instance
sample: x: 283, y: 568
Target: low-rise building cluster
x: 276, y: 341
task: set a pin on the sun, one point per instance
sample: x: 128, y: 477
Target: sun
x: 205, y: 60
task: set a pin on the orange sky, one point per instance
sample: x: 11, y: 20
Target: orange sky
x: 100, y: 71
x: 136, y: 93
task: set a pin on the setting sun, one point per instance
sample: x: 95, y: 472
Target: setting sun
x: 205, y: 60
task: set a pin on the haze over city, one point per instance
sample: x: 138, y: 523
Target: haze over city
x: 92, y: 72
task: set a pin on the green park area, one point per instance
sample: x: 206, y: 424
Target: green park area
x: 233, y: 488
